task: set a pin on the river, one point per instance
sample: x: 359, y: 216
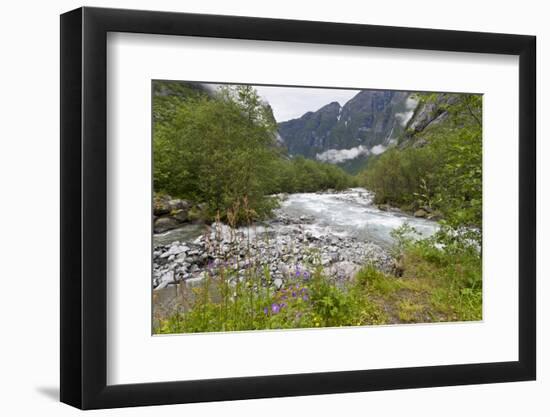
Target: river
x: 347, y: 213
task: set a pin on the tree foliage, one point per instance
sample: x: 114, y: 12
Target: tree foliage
x: 222, y: 151
x: 443, y: 175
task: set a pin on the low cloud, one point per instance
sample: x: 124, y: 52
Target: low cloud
x: 378, y: 149
x: 335, y: 156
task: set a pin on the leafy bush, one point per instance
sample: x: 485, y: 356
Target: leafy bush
x: 222, y: 151
x: 444, y: 175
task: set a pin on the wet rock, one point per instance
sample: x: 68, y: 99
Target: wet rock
x: 282, y: 246
x: 421, y: 213
x: 163, y: 224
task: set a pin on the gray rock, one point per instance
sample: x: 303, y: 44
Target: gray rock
x: 166, y: 279
x: 163, y: 224
x: 174, y: 250
x: 344, y: 269
x: 421, y: 213
x: 181, y: 215
x: 176, y: 204
x: 326, y: 261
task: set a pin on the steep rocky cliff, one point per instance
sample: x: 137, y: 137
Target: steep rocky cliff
x: 365, y: 124
x: 426, y: 116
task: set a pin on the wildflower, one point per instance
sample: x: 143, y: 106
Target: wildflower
x: 305, y: 297
x: 265, y: 311
x: 275, y: 308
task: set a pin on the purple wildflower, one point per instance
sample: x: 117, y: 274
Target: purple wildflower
x: 305, y: 297
x: 265, y: 311
x: 275, y: 308
x: 293, y: 293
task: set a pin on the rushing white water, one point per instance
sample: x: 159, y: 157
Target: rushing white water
x: 347, y: 213
x: 352, y: 213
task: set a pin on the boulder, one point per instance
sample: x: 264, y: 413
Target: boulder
x: 174, y: 250
x: 421, y: 213
x: 163, y: 224
x: 168, y: 205
x: 177, y: 204
x: 221, y: 232
x: 344, y: 270
x: 181, y: 215
x: 160, y: 210
x: 166, y: 279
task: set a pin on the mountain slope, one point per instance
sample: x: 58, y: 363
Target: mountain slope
x: 369, y: 119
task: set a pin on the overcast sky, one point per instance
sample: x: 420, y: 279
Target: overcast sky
x: 292, y: 102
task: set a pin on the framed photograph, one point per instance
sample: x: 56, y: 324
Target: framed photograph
x: 258, y: 208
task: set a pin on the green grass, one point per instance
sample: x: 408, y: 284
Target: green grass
x: 436, y: 285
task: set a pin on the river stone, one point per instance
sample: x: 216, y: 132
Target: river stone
x: 174, y: 250
x: 181, y: 215
x: 344, y: 269
x: 163, y: 224
x: 421, y: 213
x: 177, y: 204
x: 221, y: 232
x: 276, y: 245
x: 166, y: 279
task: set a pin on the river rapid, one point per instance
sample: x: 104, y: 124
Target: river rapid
x: 345, y: 230
x: 349, y: 213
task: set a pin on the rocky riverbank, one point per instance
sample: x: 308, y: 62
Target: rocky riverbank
x: 283, y: 246
x: 170, y: 213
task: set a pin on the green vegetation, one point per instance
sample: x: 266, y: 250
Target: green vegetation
x: 312, y: 300
x: 436, y: 285
x: 222, y: 151
x: 445, y: 174
x: 300, y: 175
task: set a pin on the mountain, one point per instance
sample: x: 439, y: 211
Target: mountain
x: 365, y: 125
x: 427, y: 115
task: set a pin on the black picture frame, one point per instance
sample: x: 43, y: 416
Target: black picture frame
x: 84, y: 207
